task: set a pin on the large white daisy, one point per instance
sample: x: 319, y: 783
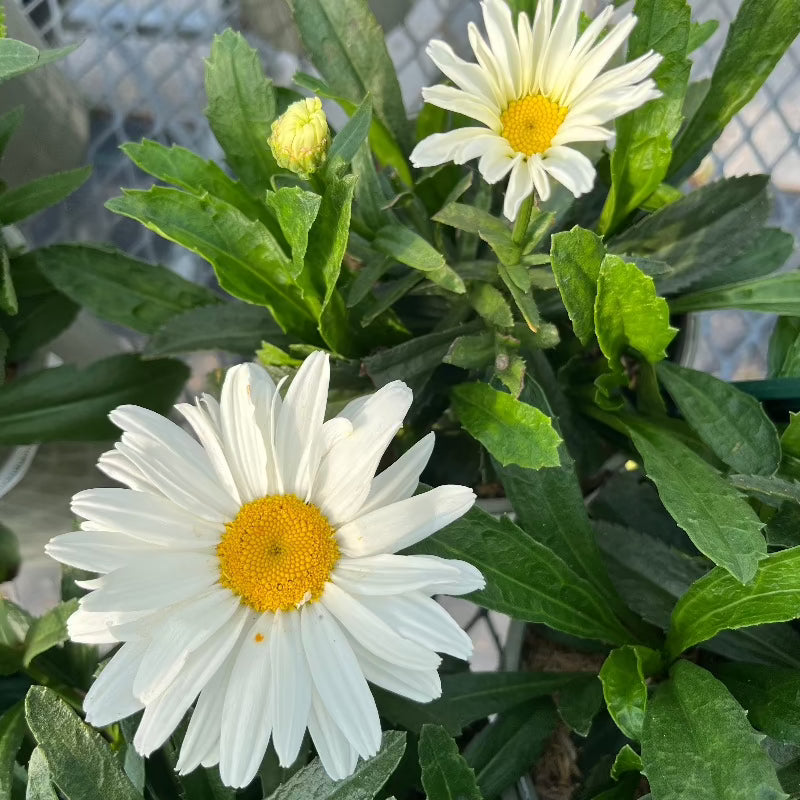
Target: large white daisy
x: 536, y: 90
x: 254, y: 571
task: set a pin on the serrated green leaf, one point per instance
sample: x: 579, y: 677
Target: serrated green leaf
x: 643, y: 150
x: 24, y: 201
x: 313, y: 783
x: 700, y: 33
x: 718, y: 602
x: 629, y: 314
x: 347, y: 142
x: 247, y: 260
x: 733, y: 424
x: 623, y: 677
x: 12, y: 729
x: 119, y: 288
x: 296, y: 210
x: 520, y: 573
x: 348, y: 47
x: 757, y: 38
x: 478, y: 222
x: 512, y: 431
x: 696, y: 742
x: 445, y: 774
x: 81, y: 763
x: 717, y: 519
x: 576, y: 257
x: 491, y: 305
x: 40, y: 785
x: 48, y: 630
x: 70, y: 404
x: 241, y: 108
x: 778, y: 294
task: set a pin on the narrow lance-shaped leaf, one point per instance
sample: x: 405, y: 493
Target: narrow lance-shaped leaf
x: 643, y: 150
x: 445, y: 774
x: 777, y: 294
x: 717, y: 519
x: 718, y: 602
x: 697, y: 742
x: 347, y: 142
x: 12, y: 729
x: 733, y: 424
x: 24, y: 201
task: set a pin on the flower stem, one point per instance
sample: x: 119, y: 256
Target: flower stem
x: 523, y: 219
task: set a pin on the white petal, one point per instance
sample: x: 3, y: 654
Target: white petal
x: 181, y: 632
x: 527, y: 54
x: 241, y: 437
x: 374, y: 634
x: 394, y: 527
x: 345, y: 474
x: 469, y: 578
x: 400, y: 480
x: 267, y: 404
x: 542, y: 23
x: 291, y: 687
x: 491, y: 66
x: 421, y: 619
x: 247, y: 711
x: 338, y: 679
x: 97, y: 551
x: 337, y: 756
x: 389, y: 574
x: 497, y: 161
x: 144, y: 516
x: 153, y: 583
x: 520, y: 186
x: 541, y: 183
x: 571, y: 168
x: 300, y: 423
x: 504, y: 44
x: 162, y: 716
x: 463, y: 103
x: 569, y: 133
x: 110, y: 698
x: 556, y: 55
x: 469, y: 77
x: 99, y: 627
x: 118, y: 468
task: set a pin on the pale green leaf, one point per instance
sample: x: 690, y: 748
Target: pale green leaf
x: 48, y: 630
x: 296, y: 210
x: 491, y: 305
x: 40, y: 785
x: 445, y: 774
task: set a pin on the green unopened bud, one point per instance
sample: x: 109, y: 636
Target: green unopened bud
x: 300, y: 137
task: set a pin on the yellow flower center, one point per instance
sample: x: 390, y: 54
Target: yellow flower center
x: 531, y: 123
x: 277, y: 554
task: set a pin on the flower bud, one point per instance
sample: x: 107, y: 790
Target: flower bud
x: 300, y: 137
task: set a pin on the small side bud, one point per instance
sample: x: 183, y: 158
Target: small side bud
x: 300, y: 137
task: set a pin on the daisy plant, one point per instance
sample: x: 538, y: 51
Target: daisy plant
x: 492, y: 296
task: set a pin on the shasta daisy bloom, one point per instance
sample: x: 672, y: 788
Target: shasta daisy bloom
x: 536, y: 90
x: 254, y: 570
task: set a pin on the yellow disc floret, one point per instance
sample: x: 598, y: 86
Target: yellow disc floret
x: 530, y: 124
x: 278, y: 553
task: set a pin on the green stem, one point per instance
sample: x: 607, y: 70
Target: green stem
x: 523, y: 220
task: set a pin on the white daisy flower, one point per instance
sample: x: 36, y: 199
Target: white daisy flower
x: 536, y: 90
x: 254, y: 571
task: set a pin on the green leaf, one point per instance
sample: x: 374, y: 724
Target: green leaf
x: 48, y: 631
x: 783, y: 359
x: 40, y: 785
x: 642, y: 153
x: 627, y: 760
x: 702, y: 234
x: 790, y: 438
x: 771, y: 490
x: 520, y: 573
x: 71, y: 404
x: 757, y: 38
x: 624, y: 686
x: 22, y: 202
x: 82, y: 765
x: 471, y: 352
x: 471, y: 696
x: 348, y: 47
x: 576, y: 257
x: 491, y: 305
x: 9, y: 551
x: 347, y: 142
x: 119, y: 288
x: 187, y: 170
x: 241, y: 107
x: 247, y: 260
x: 628, y: 313
x: 717, y: 519
x: 17, y: 58
x: 506, y: 749
x: 769, y: 695
x: 512, y: 431
x: 700, y: 33
x: 579, y: 703
x: 9, y: 302
x: 445, y: 774
x: 296, y: 210
x: 733, y: 424
x: 12, y: 729
x: 313, y: 783
x: 3, y: 352
x: 236, y: 327
x: 718, y: 602
x: 778, y: 294
x: 410, y: 248
x: 478, y: 222
x: 696, y: 742
x: 9, y: 122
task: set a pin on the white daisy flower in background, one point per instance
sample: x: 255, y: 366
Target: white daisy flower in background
x: 254, y: 571
x: 536, y: 90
